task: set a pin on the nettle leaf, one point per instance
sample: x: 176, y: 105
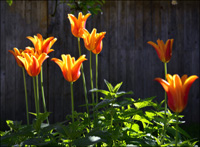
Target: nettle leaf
x: 144, y: 103
x: 104, y: 103
x: 117, y: 87
x: 101, y: 91
x: 110, y: 87
x: 89, y: 140
x: 119, y: 94
x: 13, y: 125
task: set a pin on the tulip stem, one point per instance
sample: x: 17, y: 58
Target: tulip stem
x: 38, y: 99
x: 96, y: 78
x: 26, y: 99
x: 35, y: 95
x: 91, y: 78
x: 42, y: 89
x: 176, y: 140
x: 83, y: 75
x: 72, y: 100
x: 165, y: 118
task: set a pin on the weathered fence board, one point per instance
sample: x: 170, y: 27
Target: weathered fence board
x: 126, y: 57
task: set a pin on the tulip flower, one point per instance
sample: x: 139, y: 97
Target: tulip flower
x: 98, y: 49
x: 93, y: 40
x: 42, y: 45
x: 16, y: 53
x: 177, y: 90
x: 164, y: 51
x: 78, y: 25
x: 33, y: 64
x: 69, y: 67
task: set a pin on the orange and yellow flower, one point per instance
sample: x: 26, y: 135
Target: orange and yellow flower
x: 78, y: 25
x: 98, y: 49
x: 164, y: 51
x: 177, y: 90
x: 94, y: 40
x: 16, y: 53
x: 69, y: 67
x: 42, y: 45
x: 33, y: 64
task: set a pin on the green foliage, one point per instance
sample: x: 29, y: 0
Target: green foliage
x: 85, y: 6
x: 117, y: 120
x: 9, y: 2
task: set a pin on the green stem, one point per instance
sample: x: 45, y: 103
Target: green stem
x: 26, y: 99
x: 165, y: 118
x: 97, y: 78
x: 35, y: 96
x: 38, y: 99
x: 91, y: 78
x: 72, y: 100
x: 83, y: 75
x: 42, y: 90
x: 176, y: 129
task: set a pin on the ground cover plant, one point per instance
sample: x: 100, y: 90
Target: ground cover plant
x: 115, y: 117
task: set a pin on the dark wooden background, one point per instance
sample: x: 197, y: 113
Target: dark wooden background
x: 126, y: 56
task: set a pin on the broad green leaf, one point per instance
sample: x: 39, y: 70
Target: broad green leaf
x: 144, y: 103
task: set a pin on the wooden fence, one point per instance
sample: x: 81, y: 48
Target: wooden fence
x: 126, y: 56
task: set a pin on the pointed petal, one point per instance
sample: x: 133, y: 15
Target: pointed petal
x: 76, y: 67
x: 33, y: 40
x: 186, y: 87
x: 41, y: 58
x: 59, y: 62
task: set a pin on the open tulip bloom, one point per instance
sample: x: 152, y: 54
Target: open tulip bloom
x: 177, y: 90
x: 42, y: 45
x: 94, y: 40
x: 16, y: 53
x: 33, y: 64
x: 164, y: 51
x: 78, y: 25
x: 69, y: 67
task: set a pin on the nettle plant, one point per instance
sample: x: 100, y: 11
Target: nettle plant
x: 114, y: 119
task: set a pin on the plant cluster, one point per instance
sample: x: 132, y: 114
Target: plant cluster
x: 114, y: 119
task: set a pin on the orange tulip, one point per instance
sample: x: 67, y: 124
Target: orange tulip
x: 164, y: 51
x: 177, y: 90
x: 16, y: 53
x: 33, y: 64
x: 94, y: 40
x: 69, y: 67
x: 98, y: 49
x: 78, y: 25
x: 42, y: 45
